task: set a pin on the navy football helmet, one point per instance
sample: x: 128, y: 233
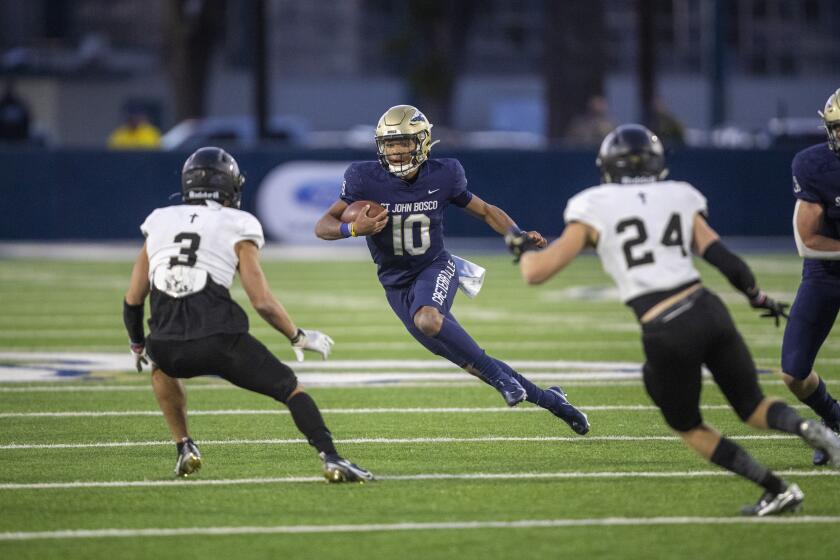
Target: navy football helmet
x: 211, y: 173
x: 631, y: 154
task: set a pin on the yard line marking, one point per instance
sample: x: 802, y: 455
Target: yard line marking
x: 268, y: 411
x: 172, y: 483
x: 384, y: 441
x: 408, y: 526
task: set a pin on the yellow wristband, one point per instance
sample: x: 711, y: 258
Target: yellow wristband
x: 353, y: 229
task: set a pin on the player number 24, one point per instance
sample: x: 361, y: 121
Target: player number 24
x: 671, y: 237
x: 404, y: 238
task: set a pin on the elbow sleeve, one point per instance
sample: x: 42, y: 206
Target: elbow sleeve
x: 732, y: 267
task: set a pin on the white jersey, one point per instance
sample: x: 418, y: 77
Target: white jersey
x: 644, y: 232
x: 185, y: 243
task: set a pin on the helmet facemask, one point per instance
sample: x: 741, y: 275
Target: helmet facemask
x: 403, y: 140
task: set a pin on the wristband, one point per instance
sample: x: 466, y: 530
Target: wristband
x: 297, y: 337
x: 346, y: 230
x: 353, y: 229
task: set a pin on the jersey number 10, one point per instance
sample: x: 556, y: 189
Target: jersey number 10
x: 404, y: 238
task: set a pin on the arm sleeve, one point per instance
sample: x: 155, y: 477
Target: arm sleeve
x: 460, y: 196
x: 133, y: 321
x: 350, y: 185
x: 250, y: 229
x: 733, y: 267
x: 581, y: 208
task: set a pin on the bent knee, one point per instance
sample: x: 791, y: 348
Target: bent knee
x: 428, y: 320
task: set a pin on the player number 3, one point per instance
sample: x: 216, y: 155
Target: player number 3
x: 404, y: 237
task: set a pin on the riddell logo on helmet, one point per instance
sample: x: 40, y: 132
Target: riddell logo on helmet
x: 203, y: 194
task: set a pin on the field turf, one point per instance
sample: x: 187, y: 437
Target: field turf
x: 85, y: 462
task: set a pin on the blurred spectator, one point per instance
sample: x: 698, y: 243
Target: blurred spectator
x: 591, y: 127
x: 663, y: 122
x: 136, y: 133
x: 14, y: 116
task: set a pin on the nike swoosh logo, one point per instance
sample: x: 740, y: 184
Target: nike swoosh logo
x: 433, y: 191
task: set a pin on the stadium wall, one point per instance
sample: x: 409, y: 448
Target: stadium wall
x: 98, y: 195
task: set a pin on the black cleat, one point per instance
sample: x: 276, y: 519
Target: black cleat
x: 788, y: 501
x: 189, y: 459
x: 510, y: 389
x: 825, y: 441
x: 565, y: 411
x: 338, y: 469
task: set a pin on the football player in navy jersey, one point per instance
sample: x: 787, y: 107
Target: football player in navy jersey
x: 186, y: 267
x: 816, y: 229
x: 419, y: 275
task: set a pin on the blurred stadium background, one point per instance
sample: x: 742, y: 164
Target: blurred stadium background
x: 293, y: 89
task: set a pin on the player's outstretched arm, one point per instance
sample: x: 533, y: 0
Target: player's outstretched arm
x: 135, y: 300
x: 256, y: 287
x: 807, y: 222
x: 498, y: 219
x: 707, y: 243
x: 538, y: 266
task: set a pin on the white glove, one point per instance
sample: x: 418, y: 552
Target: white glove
x: 314, y: 341
x: 138, y: 352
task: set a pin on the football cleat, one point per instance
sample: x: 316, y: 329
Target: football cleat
x: 772, y: 504
x: 510, y: 389
x: 189, y: 459
x: 338, y: 469
x: 565, y: 411
x: 825, y: 442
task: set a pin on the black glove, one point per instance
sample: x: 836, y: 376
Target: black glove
x: 771, y: 307
x: 518, y: 242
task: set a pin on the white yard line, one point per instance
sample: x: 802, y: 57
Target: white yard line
x: 179, y: 483
x: 377, y: 441
x: 433, y: 526
x: 407, y: 410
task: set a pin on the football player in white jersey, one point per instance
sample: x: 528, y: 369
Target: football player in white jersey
x: 644, y: 230
x: 187, y: 265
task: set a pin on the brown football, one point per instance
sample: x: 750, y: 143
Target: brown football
x: 352, y: 211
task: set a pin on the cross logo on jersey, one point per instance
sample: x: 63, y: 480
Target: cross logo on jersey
x: 643, y: 198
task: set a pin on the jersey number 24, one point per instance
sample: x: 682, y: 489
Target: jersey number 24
x: 671, y: 237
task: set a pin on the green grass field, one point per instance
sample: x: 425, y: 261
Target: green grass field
x: 85, y: 463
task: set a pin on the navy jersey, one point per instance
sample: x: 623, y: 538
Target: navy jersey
x: 413, y: 238
x: 816, y: 178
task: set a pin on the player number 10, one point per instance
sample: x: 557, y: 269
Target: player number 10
x: 404, y: 230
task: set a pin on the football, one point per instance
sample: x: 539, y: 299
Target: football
x: 352, y: 211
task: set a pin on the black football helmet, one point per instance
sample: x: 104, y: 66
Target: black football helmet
x: 211, y: 173
x: 631, y: 154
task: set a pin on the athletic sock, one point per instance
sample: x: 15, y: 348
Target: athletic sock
x: 783, y: 418
x: 308, y: 420
x: 180, y: 445
x: 535, y: 395
x: 824, y: 404
x: 732, y: 457
x: 462, y: 345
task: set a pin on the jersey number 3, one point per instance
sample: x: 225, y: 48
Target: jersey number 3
x: 189, y: 245
x: 671, y: 237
